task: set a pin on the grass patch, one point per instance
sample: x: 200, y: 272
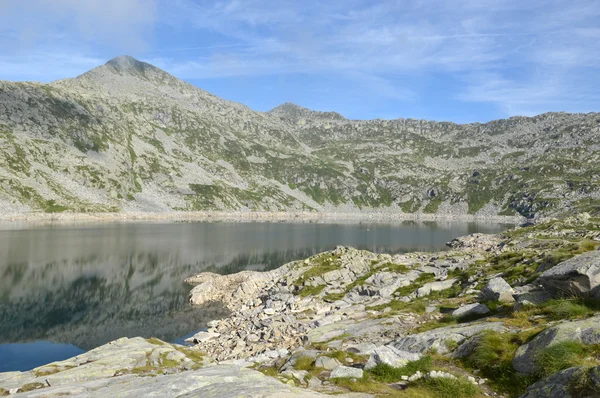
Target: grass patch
x: 588, y: 245
x: 437, y: 323
x: 155, y: 341
x: 304, y: 363
x: 564, y: 355
x: 389, y: 374
x: 4, y: 393
x: 583, y: 385
x: 193, y: 354
x: 31, y: 387
x: 418, y: 307
x: 493, y: 357
x: 272, y: 371
x: 424, y: 278
x: 310, y: 290
x: 443, y: 387
x: 367, y: 385
x: 342, y: 356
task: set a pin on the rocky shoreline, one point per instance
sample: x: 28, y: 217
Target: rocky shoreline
x: 510, y: 315
x: 251, y: 216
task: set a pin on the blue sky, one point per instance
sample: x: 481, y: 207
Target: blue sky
x: 457, y: 60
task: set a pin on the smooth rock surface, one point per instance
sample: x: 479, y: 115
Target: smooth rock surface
x: 346, y: 371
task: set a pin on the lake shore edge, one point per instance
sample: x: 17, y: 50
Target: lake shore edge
x: 228, y: 216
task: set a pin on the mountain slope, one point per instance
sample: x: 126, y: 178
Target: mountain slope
x: 128, y: 136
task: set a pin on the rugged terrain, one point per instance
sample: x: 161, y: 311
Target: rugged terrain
x: 128, y: 137
x: 510, y: 315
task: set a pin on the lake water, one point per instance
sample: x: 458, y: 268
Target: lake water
x: 66, y: 289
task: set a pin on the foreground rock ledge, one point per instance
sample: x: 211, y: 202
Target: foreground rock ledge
x: 117, y: 369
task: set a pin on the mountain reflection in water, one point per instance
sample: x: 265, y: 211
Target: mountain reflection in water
x: 85, y: 285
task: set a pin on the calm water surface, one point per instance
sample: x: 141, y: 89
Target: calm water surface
x: 68, y: 289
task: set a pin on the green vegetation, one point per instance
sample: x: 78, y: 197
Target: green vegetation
x: 443, y: 387
x: 493, y: 357
x: 389, y: 374
x: 155, y: 341
x: 417, y: 283
x: 4, y: 393
x: 304, y: 363
x: 417, y: 306
x: 564, y: 355
x: 31, y: 387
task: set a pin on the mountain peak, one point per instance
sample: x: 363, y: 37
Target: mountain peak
x: 128, y: 64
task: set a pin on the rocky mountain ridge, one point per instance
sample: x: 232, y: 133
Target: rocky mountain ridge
x: 127, y: 136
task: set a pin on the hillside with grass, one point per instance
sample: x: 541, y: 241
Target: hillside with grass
x: 127, y: 136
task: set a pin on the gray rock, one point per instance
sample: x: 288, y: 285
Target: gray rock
x: 222, y: 381
x: 345, y: 371
x: 586, y: 331
x: 559, y: 385
x: 437, y: 338
x: 531, y: 298
x: 390, y: 356
x: 578, y: 276
x: 497, y: 290
x: 328, y: 320
x: 471, y: 310
x: 327, y: 363
x: 201, y: 337
x: 438, y: 286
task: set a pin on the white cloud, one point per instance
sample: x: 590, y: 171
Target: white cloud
x: 119, y: 24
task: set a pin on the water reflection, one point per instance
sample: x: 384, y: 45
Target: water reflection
x: 86, y: 285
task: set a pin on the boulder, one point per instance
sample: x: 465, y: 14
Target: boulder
x: 497, y: 289
x: 560, y: 384
x: 346, y: 371
x: 327, y: 363
x: 586, y: 331
x: 471, y: 310
x: 201, y: 337
x: 390, y: 356
x: 437, y: 338
x: 578, y: 276
x: 431, y: 287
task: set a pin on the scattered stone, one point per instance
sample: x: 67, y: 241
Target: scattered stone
x: 497, y: 290
x: 345, y: 371
x: 471, y: 310
x: 390, y: 356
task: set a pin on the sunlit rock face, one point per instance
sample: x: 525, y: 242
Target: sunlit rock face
x: 127, y: 136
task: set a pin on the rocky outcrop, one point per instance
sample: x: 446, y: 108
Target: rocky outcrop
x: 568, y: 383
x: 585, y: 331
x: 578, y: 276
x: 438, y: 339
x: 231, y: 290
x: 120, y: 357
